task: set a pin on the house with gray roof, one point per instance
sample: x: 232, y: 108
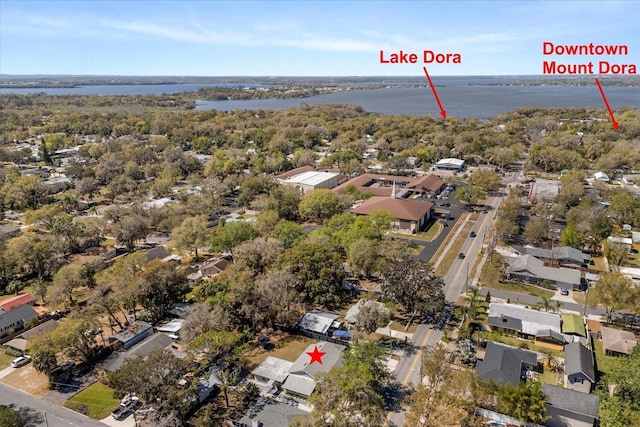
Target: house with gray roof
x: 570, y: 408
x: 506, y: 365
x: 300, y: 381
x: 526, y: 322
x: 318, y: 321
x: 16, y: 319
x: 579, y: 373
x: 135, y: 333
x: 532, y: 270
x: 268, y: 412
x: 272, y: 371
x: 563, y: 255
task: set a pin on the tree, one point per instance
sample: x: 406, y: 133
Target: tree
x: 623, y: 408
x: 203, y: 318
x: 352, y: 395
x: 10, y: 417
x: 44, y: 361
x: 470, y: 194
x: 278, y: 292
x: 258, y: 254
x: 191, y: 234
x: 65, y: 281
x: 318, y: 270
x: 537, y: 229
x: 319, y: 205
x: 526, y: 401
x: 362, y: 257
x: 150, y: 376
x: 445, y: 396
x: 160, y: 286
x: 615, y: 252
x: 612, y: 291
x: 228, y: 235
x: 413, y: 284
x: 486, y: 180
x: 371, y: 316
x: 129, y: 230
x: 569, y: 236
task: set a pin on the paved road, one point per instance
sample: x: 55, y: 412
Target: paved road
x: 38, y: 413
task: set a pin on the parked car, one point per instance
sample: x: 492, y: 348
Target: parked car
x: 20, y: 361
x: 564, y: 291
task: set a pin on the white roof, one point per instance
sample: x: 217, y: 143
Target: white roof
x: 317, y: 321
x: 532, y: 320
x: 310, y: 178
x: 273, y: 368
x: 451, y: 161
x: 173, y: 326
x: 601, y: 176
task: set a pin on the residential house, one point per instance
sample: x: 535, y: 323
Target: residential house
x: 16, y: 319
x: 300, y: 381
x: 144, y: 346
x: 43, y: 327
x: 579, y: 372
x: 630, y: 180
x: 616, y: 342
x: 570, y: 408
x: 318, y: 321
x: 135, y: 333
x: 526, y: 322
x: 506, y: 365
x: 530, y: 269
x: 272, y: 372
x: 563, y: 255
x: 268, y: 412
x: 412, y: 215
x: 573, y: 325
x: 215, y: 266
x: 16, y: 301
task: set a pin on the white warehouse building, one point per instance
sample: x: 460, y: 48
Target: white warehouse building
x: 312, y: 180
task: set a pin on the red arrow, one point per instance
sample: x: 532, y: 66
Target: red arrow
x: 613, y: 119
x: 443, y: 112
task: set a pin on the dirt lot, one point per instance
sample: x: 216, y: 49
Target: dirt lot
x: 27, y: 379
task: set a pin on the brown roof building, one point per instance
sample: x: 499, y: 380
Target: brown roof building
x: 215, y: 267
x: 617, y: 342
x: 382, y: 185
x: 412, y: 214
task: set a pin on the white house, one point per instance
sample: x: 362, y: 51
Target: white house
x: 601, y: 176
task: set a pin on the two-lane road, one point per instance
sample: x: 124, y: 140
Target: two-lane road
x: 456, y: 280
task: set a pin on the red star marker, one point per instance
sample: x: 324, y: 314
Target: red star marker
x: 316, y: 355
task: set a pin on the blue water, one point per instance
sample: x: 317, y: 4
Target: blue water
x: 460, y: 96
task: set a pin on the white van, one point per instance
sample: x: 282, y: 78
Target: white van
x: 20, y: 361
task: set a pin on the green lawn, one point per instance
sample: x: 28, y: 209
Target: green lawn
x: 98, y: 399
x: 602, y: 362
x: 5, y: 359
x: 513, y: 341
x: 287, y: 348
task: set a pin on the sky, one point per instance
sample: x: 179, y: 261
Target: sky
x: 302, y: 38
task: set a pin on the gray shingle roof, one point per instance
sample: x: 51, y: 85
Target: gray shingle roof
x: 578, y: 359
x: 572, y: 401
x: 300, y: 379
x: 558, y: 252
x: 532, y: 321
x: 271, y: 413
x: 531, y: 266
x: 503, y: 364
x: 22, y: 313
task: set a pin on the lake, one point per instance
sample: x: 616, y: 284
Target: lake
x: 482, y: 97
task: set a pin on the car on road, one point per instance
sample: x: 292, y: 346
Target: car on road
x: 461, y: 255
x: 472, y: 234
x: 20, y: 361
